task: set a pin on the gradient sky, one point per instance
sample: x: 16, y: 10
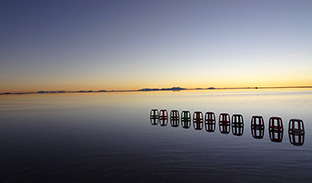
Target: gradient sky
x: 82, y: 45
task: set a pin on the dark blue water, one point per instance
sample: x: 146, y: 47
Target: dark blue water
x: 109, y: 137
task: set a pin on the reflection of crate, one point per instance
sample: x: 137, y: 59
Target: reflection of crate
x: 210, y: 126
x: 154, y: 121
x: 238, y: 130
x: 276, y: 135
x: 163, y: 122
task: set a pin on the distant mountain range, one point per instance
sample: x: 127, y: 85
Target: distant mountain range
x: 157, y: 89
x: 151, y: 89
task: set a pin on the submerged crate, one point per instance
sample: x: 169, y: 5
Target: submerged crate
x: 224, y: 118
x: 276, y: 123
x: 276, y: 129
x: 154, y: 114
x: 237, y: 124
x: 210, y: 121
x: 174, y: 118
x: 186, y: 119
x: 296, y: 132
x: 237, y: 120
x: 257, y: 127
x: 257, y: 121
x: 198, y: 120
x: 174, y: 114
x: 197, y: 116
x: 296, y: 126
x: 185, y: 115
x: 163, y: 114
x: 210, y: 117
x: 224, y: 123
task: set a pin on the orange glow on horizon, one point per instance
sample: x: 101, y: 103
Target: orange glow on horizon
x: 95, y: 87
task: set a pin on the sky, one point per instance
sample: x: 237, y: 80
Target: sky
x: 98, y: 44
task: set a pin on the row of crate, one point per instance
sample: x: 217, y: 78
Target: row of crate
x: 257, y: 131
x: 275, y: 123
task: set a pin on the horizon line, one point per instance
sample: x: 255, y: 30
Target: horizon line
x: 153, y: 89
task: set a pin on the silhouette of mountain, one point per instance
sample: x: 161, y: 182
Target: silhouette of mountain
x: 149, y: 89
x: 163, y: 89
x: 61, y: 91
x: 155, y: 89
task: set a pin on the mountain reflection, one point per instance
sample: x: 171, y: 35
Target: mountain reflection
x: 296, y: 130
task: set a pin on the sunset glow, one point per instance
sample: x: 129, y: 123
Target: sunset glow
x: 82, y: 45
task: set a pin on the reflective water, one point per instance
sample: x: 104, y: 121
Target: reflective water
x: 110, y: 137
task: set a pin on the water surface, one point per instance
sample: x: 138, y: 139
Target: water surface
x: 109, y: 137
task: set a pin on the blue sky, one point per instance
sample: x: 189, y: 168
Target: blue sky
x: 56, y: 45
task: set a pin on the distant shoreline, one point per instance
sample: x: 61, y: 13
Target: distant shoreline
x: 157, y: 89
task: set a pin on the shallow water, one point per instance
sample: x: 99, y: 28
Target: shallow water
x: 109, y: 137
